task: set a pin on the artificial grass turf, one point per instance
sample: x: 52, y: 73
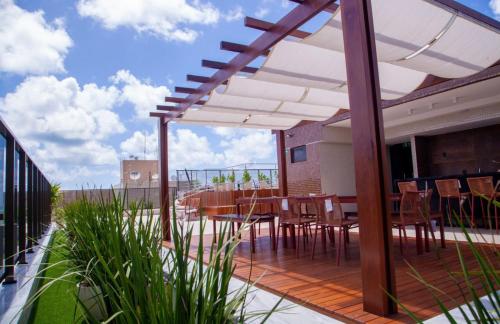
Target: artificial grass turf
x: 58, y: 303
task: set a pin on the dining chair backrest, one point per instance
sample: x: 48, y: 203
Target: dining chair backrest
x: 329, y: 210
x: 448, y: 188
x: 481, y: 186
x: 425, y: 203
x: 407, y: 186
x: 410, y: 206
x: 194, y: 202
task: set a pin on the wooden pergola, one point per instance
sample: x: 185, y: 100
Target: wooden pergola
x: 366, y: 104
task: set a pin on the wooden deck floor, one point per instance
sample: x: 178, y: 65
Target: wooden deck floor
x: 336, y: 290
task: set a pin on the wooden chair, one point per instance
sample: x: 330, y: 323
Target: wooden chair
x: 483, y: 186
x: 192, y: 208
x: 407, y: 186
x: 430, y: 216
x: 410, y: 214
x: 449, y: 189
x: 289, y: 216
x: 329, y: 215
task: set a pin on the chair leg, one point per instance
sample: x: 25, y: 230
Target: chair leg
x: 486, y: 222
x: 400, y: 240
x: 426, y: 237
x: 339, y: 246
x: 214, y: 225
x: 405, y: 239
x: 285, y: 238
x: 323, y: 237
x: 314, y: 242
x: 473, y: 217
x: 441, y: 232
x: 496, y: 217
x: 346, y: 241
x: 303, y: 227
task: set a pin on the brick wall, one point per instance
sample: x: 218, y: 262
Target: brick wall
x: 304, y: 187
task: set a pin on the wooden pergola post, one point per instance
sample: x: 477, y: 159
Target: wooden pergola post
x: 163, y: 168
x: 280, y: 151
x: 375, y: 233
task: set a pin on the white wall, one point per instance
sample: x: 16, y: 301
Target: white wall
x: 337, y: 169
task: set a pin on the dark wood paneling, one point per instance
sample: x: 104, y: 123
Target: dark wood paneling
x: 471, y: 151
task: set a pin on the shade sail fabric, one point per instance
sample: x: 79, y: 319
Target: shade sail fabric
x: 306, y: 79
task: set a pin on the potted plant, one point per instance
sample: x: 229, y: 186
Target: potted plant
x: 263, y: 180
x: 222, y: 182
x: 232, y: 179
x: 215, y: 182
x: 247, y: 178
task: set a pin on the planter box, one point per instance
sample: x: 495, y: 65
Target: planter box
x: 91, y: 299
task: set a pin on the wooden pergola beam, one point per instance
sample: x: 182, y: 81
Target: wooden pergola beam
x: 182, y: 100
x: 167, y: 108
x: 286, y: 25
x: 267, y: 26
x: 199, y: 79
x: 186, y: 90
x: 332, y: 8
x: 238, y: 48
x: 226, y: 66
x: 371, y: 172
x: 164, y: 191
x: 162, y: 115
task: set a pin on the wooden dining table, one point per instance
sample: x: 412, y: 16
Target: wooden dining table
x: 421, y: 242
x: 239, y: 218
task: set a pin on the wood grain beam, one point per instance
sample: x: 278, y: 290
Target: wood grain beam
x: 226, y: 66
x: 167, y: 108
x: 238, y: 48
x: 370, y: 158
x: 267, y: 26
x: 186, y: 90
x: 332, y: 8
x: 182, y: 100
x: 284, y: 27
x: 199, y: 79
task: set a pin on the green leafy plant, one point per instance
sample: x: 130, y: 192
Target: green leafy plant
x: 262, y: 176
x: 246, y: 176
x: 119, y: 253
x: 215, y: 180
x: 232, y: 177
x: 222, y: 178
x: 55, y: 194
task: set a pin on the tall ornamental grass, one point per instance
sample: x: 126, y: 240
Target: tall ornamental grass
x: 480, y: 277
x: 118, y: 251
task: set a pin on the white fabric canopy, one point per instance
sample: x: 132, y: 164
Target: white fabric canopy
x: 306, y: 79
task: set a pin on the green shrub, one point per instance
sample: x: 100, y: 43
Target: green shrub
x: 246, y: 176
x: 119, y: 251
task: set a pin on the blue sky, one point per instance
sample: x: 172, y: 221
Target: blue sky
x: 78, y: 77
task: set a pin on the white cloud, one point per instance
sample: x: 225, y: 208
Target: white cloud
x: 65, y: 126
x: 144, y: 145
x: 167, y: 19
x: 186, y: 149
x: 262, y: 12
x: 28, y: 43
x: 190, y: 150
x: 248, y: 146
x: 495, y: 7
x: 142, y: 95
x: 234, y: 14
